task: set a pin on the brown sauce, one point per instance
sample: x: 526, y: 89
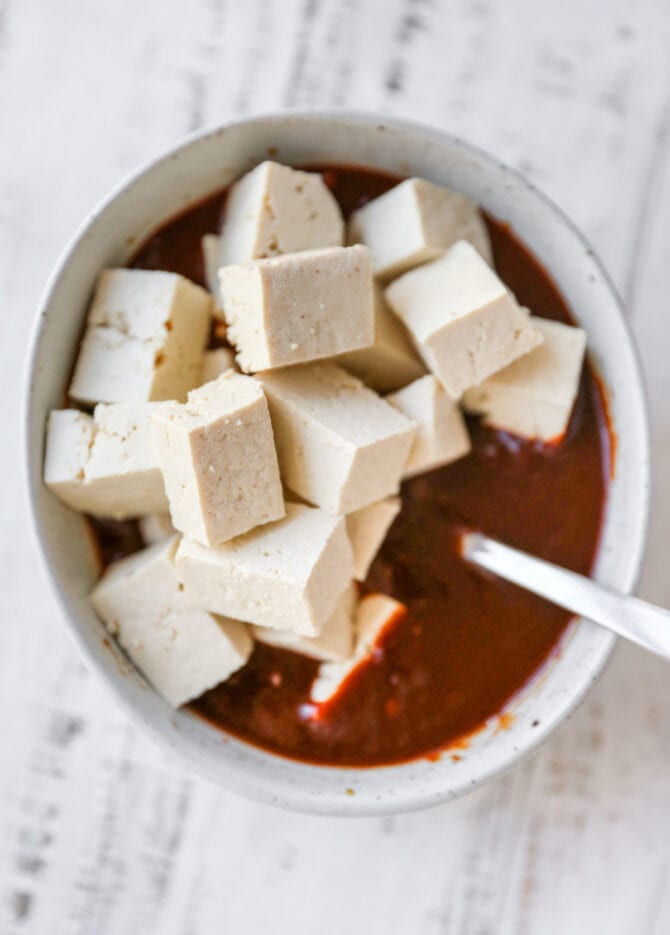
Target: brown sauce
x: 468, y: 642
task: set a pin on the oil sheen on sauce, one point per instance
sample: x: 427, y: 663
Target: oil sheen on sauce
x: 468, y: 642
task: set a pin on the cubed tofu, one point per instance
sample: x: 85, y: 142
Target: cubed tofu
x: 106, y: 465
x: 182, y: 651
x: 375, y: 614
x: 287, y: 575
x: 464, y: 321
x: 155, y: 527
x: 216, y: 362
x: 367, y: 529
x: 391, y: 361
x: 416, y: 222
x: 535, y: 395
x: 442, y: 435
x: 340, y: 445
x: 274, y: 210
x: 145, y: 335
x: 299, y: 307
x: 219, y: 461
x: 211, y: 249
x: 336, y: 640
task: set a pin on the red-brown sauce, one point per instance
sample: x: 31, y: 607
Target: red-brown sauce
x: 468, y: 642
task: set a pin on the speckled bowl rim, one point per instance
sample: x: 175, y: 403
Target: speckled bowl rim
x: 224, y: 760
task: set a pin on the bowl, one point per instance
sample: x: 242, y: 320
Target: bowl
x: 207, y: 162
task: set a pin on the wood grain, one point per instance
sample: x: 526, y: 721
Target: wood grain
x: 101, y: 835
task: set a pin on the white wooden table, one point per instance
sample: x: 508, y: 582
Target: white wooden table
x: 101, y: 834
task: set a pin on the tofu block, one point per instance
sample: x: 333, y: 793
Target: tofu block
x: 155, y: 527
x: 340, y: 446
x: 442, y: 435
x: 336, y: 640
x: 145, y: 335
x: 534, y: 396
x: 464, y: 321
x: 416, y: 222
x: 367, y: 530
x: 181, y: 650
x: 375, y: 613
x: 391, y: 361
x: 219, y: 462
x: 211, y: 248
x: 299, y: 307
x: 216, y: 362
x: 106, y: 465
x: 274, y: 210
x: 287, y: 575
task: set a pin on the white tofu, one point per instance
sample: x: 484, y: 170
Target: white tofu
x: 416, y: 222
x: 464, y: 321
x: 211, y: 248
x: 534, y: 396
x: 155, y: 527
x: 216, y: 362
x: 181, y: 650
x: 108, y: 465
x: 299, y: 307
x: 340, y: 445
x: 287, y: 575
x: 367, y: 529
x: 391, y: 361
x: 375, y: 613
x: 336, y: 640
x: 274, y: 210
x: 145, y: 335
x: 442, y: 435
x: 219, y: 462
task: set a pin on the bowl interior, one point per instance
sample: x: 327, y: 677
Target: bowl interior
x: 110, y: 235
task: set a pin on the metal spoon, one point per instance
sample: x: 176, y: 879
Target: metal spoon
x: 642, y: 623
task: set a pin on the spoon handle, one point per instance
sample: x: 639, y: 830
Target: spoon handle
x: 642, y: 623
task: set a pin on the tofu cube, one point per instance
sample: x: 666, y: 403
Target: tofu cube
x: 416, y: 222
x: 216, y: 362
x: 181, y: 650
x: 211, y: 249
x: 274, y: 210
x: 391, y: 361
x: 535, y: 395
x: 299, y: 307
x: 442, y: 435
x: 106, y: 465
x: 287, y: 575
x: 375, y: 614
x: 367, y: 529
x: 219, y: 462
x: 340, y: 445
x: 155, y: 527
x: 336, y: 640
x: 145, y: 335
x: 464, y: 321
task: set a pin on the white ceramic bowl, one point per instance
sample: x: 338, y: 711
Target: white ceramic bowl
x: 199, y: 166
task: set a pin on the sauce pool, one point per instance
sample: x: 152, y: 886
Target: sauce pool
x: 468, y: 642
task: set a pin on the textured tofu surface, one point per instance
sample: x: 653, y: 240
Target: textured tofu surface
x: 69, y: 437
x: 534, y: 396
x: 181, y: 650
x: 216, y: 362
x: 219, y: 461
x: 275, y: 209
x: 340, y: 445
x: 299, y: 307
x: 287, y: 575
x: 336, y: 641
x: 414, y: 223
x: 367, y: 529
x: 374, y: 614
x: 391, y: 361
x: 465, y: 322
x: 145, y: 335
x: 211, y: 248
x: 442, y: 435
